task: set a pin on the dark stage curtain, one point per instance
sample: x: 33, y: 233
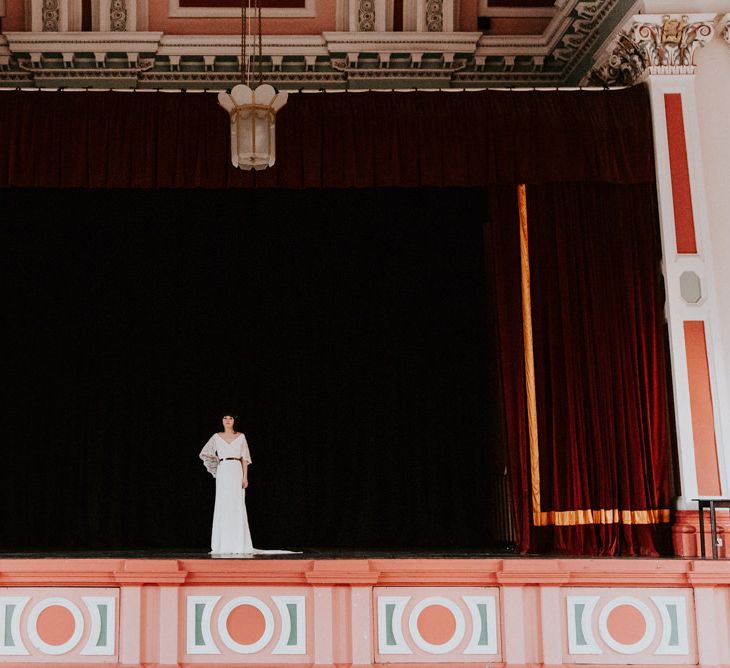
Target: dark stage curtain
x: 351, y: 328
x: 600, y: 356
x: 367, y: 139
x: 587, y: 158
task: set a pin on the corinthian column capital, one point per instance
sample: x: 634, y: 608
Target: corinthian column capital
x: 723, y: 28
x: 668, y: 43
x: 653, y: 44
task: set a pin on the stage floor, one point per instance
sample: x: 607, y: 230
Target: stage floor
x: 305, y: 553
x: 317, y: 554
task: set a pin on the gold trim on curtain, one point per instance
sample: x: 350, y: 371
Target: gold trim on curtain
x: 557, y: 517
x: 602, y: 516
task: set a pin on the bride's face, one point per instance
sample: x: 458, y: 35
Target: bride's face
x: 228, y: 422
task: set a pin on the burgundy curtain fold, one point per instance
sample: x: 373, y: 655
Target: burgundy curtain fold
x: 600, y: 356
x: 587, y: 158
x: 369, y: 139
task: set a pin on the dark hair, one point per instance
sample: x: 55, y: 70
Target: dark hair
x: 233, y: 414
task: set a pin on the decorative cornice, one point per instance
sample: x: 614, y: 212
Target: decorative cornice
x: 624, y: 66
x: 4, y: 52
x: 557, y: 57
x: 228, y: 79
x: 572, y: 35
x: 41, y: 42
x: 15, y: 79
x: 499, y: 79
x: 395, y: 73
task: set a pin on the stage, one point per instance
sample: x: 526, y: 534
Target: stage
x: 324, y: 553
x: 300, y: 609
x: 412, y: 369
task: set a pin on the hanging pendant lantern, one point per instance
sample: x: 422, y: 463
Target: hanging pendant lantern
x: 253, y: 124
x: 252, y: 110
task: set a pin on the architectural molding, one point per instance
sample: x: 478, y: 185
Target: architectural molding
x: 474, y: 59
x: 723, y: 28
x: 366, y: 13
x: 50, y: 15
x: 653, y: 44
x: 118, y: 15
x: 53, y: 15
x: 575, y: 31
x: 434, y: 15
x: 399, y: 42
x: 371, y: 59
x: 671, y: 41
x: 38, y: 43
x: 176, y: 11
x: 624, y: 66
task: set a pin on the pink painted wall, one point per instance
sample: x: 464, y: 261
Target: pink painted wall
x: 422, y: 612
x: 14, y: 15
x: 323, y: 21
x: 512, y: 25
x: 159, y: 20
x: 468, y: 16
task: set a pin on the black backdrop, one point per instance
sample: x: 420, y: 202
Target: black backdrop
x: 353, y: 330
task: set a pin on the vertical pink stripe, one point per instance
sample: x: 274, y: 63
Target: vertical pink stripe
x: 703, y: 416
x: 130, y: 625
x: 684, y: 224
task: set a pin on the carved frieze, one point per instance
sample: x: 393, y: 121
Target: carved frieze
x: 118, y: 15
x: 581, y: 29
x: 435, y: 15
x: 366, y: 15
x: 51, y: 12
x: 624, y: 66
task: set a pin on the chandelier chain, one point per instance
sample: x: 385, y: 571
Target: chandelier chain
x: 243, y: 40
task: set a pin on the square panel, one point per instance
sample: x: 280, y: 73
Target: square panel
x: 436, y: 624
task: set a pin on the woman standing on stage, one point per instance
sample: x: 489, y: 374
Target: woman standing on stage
x: 227, y: 457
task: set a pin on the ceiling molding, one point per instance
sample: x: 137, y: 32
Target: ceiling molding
x: 562, y: 55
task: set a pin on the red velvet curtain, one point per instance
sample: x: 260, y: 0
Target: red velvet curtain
x: 587, y: 158
x: 600, y: 365
x: 368, y: 139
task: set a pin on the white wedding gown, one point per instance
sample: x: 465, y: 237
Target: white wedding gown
x: 230, y: 534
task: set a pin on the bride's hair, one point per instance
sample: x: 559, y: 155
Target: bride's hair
x: 233, y: 414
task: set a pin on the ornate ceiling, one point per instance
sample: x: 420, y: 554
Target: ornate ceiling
x: 307, y: 44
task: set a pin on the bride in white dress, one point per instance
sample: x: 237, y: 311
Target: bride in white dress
x: 227, y: 458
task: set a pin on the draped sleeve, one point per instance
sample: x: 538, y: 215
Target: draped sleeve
x: 245, y: 453
x: 209, y: 456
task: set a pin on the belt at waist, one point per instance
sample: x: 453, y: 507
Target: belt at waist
x: 231, y: 459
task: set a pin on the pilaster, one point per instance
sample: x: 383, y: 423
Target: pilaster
x: 669, y: 46
x: 367, y: 15
x: 53, y: 15
x: 663, y: 50
x: 435, y: 15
